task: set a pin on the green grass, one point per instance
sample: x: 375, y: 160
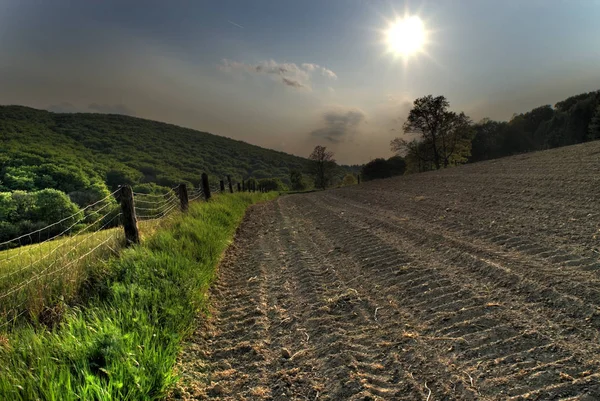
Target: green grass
x: 36, y: 278
x: 124, y: 344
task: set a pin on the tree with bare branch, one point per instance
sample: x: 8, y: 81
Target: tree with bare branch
x: 323, y: 166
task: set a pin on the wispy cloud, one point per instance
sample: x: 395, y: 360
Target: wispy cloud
x: 234, y: 24
x: 324, y: 71
x: 289, y: 74
x: 338, y: 124
x: 292, y: 83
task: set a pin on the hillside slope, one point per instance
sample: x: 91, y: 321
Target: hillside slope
x: 142, y: 150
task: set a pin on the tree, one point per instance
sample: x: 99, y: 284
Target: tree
x: 252, y: 184
x: 594, y: 128
x: 115, y: 177
x: 397, y: 165
x: 445, y: 134
x: 323, y: 166
x: 488, y: 140
x: 415, y: 154
x: 376, y: 168
x: 298, y: 181
x: 52, y: 205
x: 382, y: 168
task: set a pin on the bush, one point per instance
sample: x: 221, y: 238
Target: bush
x: 23, y: 212
x: 349, y: 179
x: 272, y: 184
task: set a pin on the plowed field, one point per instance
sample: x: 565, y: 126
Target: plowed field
x: 475, y: 283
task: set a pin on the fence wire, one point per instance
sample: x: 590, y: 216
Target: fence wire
x: 49, y: 264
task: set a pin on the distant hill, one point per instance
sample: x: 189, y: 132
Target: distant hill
x: 118, y: 149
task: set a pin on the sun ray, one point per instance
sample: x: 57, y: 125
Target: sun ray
x: 406, y: 37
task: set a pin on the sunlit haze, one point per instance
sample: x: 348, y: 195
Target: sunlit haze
x: 289, y: 75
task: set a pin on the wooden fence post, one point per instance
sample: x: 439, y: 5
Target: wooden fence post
x: 358, y: 177
x: 243, y: 185
x: 239, y: 187
x: 230, y: 184
x: 183, y: 197
x: 205, y: 186
x: 222, y: 186
x: 132, y: 234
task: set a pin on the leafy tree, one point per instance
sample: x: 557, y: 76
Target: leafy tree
x: 397, y: 165
x: 488, y: 140
x: 594, y: 128
x: 297, y: 180
x: 8, y: 207
x: 446, y: 134
x: 19, y: 178
x: 93, y: 193
x: 52, y: 205
x: 570, y: 122
x: 323, y: 166
x: 115, y: 177
x: 415, y: 154
x: 22, y: 212
x: 376, y: 168
x: 382, y: 168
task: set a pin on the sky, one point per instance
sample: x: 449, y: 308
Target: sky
x: 290, y: 74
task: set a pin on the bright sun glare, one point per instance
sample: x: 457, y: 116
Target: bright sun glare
x: 406, y: 36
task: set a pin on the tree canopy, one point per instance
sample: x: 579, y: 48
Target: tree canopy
x: 86, y: 156
x: 442, y: 137
x: 382, y: 168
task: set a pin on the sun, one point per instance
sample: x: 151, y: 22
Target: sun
x: 406, y: 36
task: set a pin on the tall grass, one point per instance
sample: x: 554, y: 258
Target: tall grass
x: 34, y: 279
x: 124, y: 344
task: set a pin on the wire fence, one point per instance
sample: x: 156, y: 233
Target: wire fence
x: 48, y: 266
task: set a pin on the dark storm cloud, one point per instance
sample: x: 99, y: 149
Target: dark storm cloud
x: 339, y: 124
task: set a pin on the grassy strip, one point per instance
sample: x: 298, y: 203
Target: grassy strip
x: 37, y: 280
x: 124, y: 345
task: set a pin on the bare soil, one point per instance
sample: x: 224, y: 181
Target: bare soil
x: 475, y: 283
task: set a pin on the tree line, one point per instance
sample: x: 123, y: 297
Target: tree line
x: 436, y: 137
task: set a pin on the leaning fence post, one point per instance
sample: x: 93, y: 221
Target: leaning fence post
x: 222, y: 186
x: 239, y: 187
x: 230, y: 184
x: 132, y: 234
x: 358, y: 177
x: 205, y: 186
x: 183, y: 197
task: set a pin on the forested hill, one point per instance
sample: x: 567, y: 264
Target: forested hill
x: 38, y: 146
